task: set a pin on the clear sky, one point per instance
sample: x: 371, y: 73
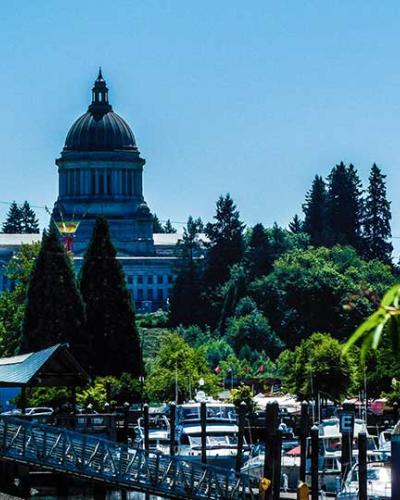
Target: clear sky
x: 253, y: 98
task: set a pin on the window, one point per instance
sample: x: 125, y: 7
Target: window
x: 160, y: 295
x: 149, y: 294
x: 101, y: 183
x: 140, y: 279
x: 160, y: 279
x: 150, y: 280
x: 140, y: 294
x: 108, y: 189
x: 93, y: 182
x: 130, y: 183
x: 130, y: 280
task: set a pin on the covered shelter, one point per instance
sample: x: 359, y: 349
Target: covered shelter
x: 52, y: 367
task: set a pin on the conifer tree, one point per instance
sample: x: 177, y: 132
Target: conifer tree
x: 314, y: 210
x: 296, y: 225
x: 169, y: 228
x: 186, y: 292
x: 257, y: 258
x: 29, y: 221
x: 13, y: 222
x: 110, y: 315
x: 54, y: 309
x: 157, y: 226
x: 226, y: 244
x: 377, y: 218
x: 344, y: 206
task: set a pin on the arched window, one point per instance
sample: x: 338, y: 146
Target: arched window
x: 93, y: 182
x: 101, y: 183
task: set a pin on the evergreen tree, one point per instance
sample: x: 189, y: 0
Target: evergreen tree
x: 296, y: 225
x: 13, y: 222
x: 314, y: 210
x: 257, y: 258
x: 344, y: 206
x: 29, y: 221
x: 235, y: 289
x: 186, y: 292
x: 226, y: 245
x: 157, y: 226
x: 110, y: 316
x: 377, y: 219
x: 54, y: 310
x: 169, y: 228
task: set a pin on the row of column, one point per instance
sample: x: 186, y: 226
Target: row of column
x: 100, y: 181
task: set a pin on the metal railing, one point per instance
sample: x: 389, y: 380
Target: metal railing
x: 87, y: 456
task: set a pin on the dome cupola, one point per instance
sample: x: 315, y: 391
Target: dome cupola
x: 100, y: 129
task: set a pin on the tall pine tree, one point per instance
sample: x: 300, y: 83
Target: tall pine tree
x: 314, y: 210
x: 54, y: 309
x: 157, y: 226
x: 377, y: 218
x: 29, y: 221
x: 296, y: 225
x: 115, y: 346
x: 257, y: 258
x: 169, y: 228
x: 226, y: 244
x: 187, y: 289
x: 344, y: 206
x: 13, y: 222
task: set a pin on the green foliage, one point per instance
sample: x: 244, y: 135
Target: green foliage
x: 111, y: 390
x: 315, y: 211
x: 158, y: 319
x: 369, y: 333
x: 54, y: 310
x: 168, y: 227
x: 48, y: 396
x: 296, y: 225
x: 257, y: 258
x: 318, y: 365
x: 21, y: 220
x: 233, y: 290
x: 245, y: 306
x: 186, y: 295
x: 12, y: 303
x: 110, y: 322
x: 217, y: 350
x: 252, y: 330
x: 394, y: 394
x: 177, y: 361
x: 377, y: 217
x: 320, y: 289
x: 13, y: 222
x: 226, y: 244
x: 344, y: 206
x: 157, y: 226
x: 244, y: 394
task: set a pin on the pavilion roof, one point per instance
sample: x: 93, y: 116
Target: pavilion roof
x: 51, y: 367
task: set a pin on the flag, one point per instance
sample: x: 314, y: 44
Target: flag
x: 261, y: 369
x: 217, y: 369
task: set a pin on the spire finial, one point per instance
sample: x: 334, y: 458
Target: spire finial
x: 100, y: 104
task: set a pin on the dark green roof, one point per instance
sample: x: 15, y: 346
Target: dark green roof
x: 51, y: 367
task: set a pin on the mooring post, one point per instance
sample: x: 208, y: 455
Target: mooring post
x: 271, y: 428
x: 347, y: 430
x: 203, y: 423
x: 395, y: 452
x: 126, y: 418
x: 362, y: 466
x: 242, y: 416
x: 276, y: 487
x: 146, y: 426
x: 303, y: 440
x: 172, y: 425
x: 395, y: 412
x: 314, y: 462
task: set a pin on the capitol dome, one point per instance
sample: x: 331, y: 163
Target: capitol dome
x: 100, y: 129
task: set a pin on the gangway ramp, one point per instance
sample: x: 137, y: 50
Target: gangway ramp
x: 90, y: 457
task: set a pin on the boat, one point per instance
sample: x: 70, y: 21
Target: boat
x: 379, y: 482
x: 329, y: 462
x: 221, y: 433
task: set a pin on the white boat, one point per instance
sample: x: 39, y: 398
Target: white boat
x: 379, y: 484
x: 221, y: 433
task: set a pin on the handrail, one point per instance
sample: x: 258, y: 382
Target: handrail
x: 89, y: 456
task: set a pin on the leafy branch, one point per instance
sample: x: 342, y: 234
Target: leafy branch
x: 370, y: 332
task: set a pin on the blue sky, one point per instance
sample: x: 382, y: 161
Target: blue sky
x: 253, y: 98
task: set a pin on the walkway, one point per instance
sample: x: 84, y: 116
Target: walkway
x: 87, y: 456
